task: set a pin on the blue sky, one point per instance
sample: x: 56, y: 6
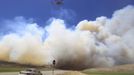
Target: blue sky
x: 42, y: 10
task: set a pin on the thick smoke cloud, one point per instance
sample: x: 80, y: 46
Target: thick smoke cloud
x: 101, y: 43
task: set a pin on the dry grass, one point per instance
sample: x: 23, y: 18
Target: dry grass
x: 116, y: 70
x: 121, y: 68
x: 73, y: 73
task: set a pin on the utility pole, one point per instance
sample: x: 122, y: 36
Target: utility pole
x: 53, y: 66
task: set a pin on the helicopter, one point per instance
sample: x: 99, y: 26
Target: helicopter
x: 58, y: 2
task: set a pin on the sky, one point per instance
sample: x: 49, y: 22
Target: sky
x: 72, y: 11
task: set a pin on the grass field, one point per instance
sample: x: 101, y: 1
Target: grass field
x: 86, y: 72
x: 10, y: 69
x: 108, y: 73
x: 18, y: 69
x: 118, y: 70
x: 95, y: 73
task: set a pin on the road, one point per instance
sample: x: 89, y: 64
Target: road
x: 44, y: 72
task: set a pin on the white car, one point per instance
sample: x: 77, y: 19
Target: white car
x: 30, y: 71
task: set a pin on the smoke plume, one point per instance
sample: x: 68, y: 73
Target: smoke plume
x: 104, y: 42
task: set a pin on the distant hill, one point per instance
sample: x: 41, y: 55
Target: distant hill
x: 13, y: 64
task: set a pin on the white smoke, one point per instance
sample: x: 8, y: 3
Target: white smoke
x: 101, y: 43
